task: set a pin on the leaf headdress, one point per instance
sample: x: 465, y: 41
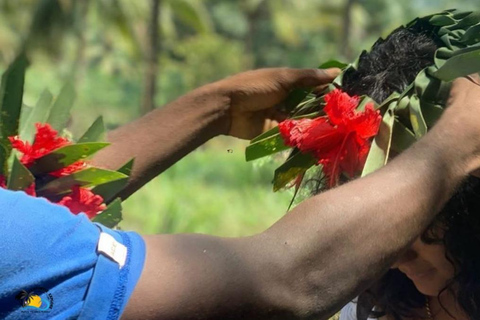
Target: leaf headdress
x: 405, y: 116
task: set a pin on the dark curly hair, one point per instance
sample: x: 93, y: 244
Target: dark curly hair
x: 392, y: 65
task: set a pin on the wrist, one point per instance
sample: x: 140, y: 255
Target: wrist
x: 456, y: 147
x: 214, y: 103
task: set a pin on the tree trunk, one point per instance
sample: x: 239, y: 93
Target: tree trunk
x: 345, y: 48
x: 151, y: 59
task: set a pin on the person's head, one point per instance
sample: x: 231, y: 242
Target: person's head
x: 426, y: 265
x: 446, y: 256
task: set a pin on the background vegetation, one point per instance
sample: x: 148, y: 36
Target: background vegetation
x: 127, y: 57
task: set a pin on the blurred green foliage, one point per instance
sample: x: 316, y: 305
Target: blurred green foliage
x: 213, y: 191
x: 102, y: 45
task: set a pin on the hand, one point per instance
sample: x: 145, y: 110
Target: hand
x: 463, y: 115
x: 253, y: 96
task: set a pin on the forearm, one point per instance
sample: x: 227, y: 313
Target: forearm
x: 242, y: 106
x: 165, y: 135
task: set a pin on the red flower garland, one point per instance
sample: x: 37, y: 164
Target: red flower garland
x: 83, y: 200
x: 340, y: 140
x: 46, y: 140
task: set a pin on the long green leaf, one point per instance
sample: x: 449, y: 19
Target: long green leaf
x: 416, y: 117
x: 65, y: 156
x: 294, y: 98
x: 265, y: 147
x: 11, y: 96
x: 333, y: 64
x: 60, y: 112
x: 88, y: 178
x: 20, y: 177
x: 402, y: 137
x: 39, y: 114
x: 380, y: 149
x: 95, y: 132
x: 127, y: 167
x: 4, y: 152
x: 294, y: 166
x: 459, y: 66
x: 24, y: 115
x: 111, y: 216
x: 265, y: 135
x: 110, y: 190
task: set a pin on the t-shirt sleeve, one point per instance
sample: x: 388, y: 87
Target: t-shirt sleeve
x: 349, y: 311
x: 51, y: 268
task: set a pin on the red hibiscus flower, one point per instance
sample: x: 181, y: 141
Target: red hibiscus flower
x: 340, y: 140
x: 30, y: 190
x: 2, y: 182
x: 83, y: 200
x: 46, y: 140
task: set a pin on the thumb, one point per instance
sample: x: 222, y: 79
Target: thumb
x: 310, y: 78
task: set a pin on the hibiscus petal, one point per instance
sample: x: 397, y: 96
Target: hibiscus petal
x: 310, y: 135
x: 350, y: 161
x: 340, y: 107
x: 320, y: 136
x: 331, y: 167
x: 83, y: 200
x: 366, y: 123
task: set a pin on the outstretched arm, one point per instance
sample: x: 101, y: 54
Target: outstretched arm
x: 326, y: 250
x: 241, y: 106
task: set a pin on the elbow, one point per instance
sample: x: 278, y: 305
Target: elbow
x: 294, y: 286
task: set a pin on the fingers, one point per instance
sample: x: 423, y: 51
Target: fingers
x: 309, y: 78
x: 463, y: 87
x: 474, y: 78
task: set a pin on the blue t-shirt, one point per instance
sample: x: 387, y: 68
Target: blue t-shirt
x: 51, y: 268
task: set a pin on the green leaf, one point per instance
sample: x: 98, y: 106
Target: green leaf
x: 294, y: 98
x: 416, y: 117
x: 265, y: 147
x: 127, y: 167
x: 442, y: 20
x: 20, y: 177
x: 60, y: 112
x: 309, y: 108
x: 95, y: 133
x: 459, y: 66
x: 333, y: 64
x: 110, y: 190
x: 431, y: 113
x: 267, y: 134
x: 294, y: 166
x: 111, y: 216
x: 39, y: 114
x: 24, y: 114
x: 402, y: 137
x: 11, y: 95
x: 87, y: 178
x: 4, y: 152
x: 470, y: 19
x: 472, y: 35
x: 380, y: 149
x: 65, y: 156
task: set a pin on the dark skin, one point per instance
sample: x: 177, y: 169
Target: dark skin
x: 323, y: 252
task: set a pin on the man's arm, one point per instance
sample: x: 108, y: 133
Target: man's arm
x: 326, y: 250
x: 241, y: 106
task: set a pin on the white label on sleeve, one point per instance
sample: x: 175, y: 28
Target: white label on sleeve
x: 108, y: 246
